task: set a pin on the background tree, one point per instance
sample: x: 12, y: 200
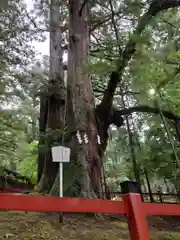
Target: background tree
x: 127, y: 48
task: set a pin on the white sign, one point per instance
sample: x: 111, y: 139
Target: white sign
x: 60, y: 154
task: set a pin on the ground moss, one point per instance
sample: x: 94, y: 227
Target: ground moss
x: 165, y: 236
x: 36, y: 226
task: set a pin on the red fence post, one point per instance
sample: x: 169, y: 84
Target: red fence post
x: 137, y: 222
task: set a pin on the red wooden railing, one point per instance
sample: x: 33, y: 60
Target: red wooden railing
x: 163, y: 197
x: 132, y: 206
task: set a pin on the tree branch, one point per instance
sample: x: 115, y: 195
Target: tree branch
x: 114, y: 25
x: 155, y: 7
x: 82, y: 6
x: 148, y: 109
x: 160, y: 5
x: 110, y: 91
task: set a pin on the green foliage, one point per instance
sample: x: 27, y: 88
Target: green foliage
x: 155, y: 65
x: 19, y: 85
x: 28, y: 162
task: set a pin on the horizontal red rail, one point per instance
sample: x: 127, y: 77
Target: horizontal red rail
x: 54, y: 204
x: 131, y: 205
x: 48, y: 204
x: 161, y: 209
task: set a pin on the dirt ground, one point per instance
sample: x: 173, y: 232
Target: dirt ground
x: 36, y: 226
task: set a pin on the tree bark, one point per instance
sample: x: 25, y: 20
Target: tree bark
x: 42, y: 132
x: 54, y: 101
x: 85, y: 156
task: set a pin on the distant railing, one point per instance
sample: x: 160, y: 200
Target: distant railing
x: 157, y: 196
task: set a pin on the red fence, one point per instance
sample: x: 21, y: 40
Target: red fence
x: 157, y: 197
x: 132, y: 206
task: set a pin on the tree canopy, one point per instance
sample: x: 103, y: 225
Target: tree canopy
x: 131, y: 57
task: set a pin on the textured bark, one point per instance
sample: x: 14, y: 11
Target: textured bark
x: 81, y: 102
x: 54, y: 105
x: 42, y: 131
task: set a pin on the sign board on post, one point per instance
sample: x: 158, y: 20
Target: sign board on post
x: 60, y: 154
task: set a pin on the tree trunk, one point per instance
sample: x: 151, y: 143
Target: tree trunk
x: 55, y: 101
x: 34, y: 120
x: 85, y: 157
x: 149, y: 186
x: 42, y: 132
x: 177, y: 126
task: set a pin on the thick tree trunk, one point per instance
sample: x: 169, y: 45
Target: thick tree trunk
x: 81, y: 107
x: 54, y: 105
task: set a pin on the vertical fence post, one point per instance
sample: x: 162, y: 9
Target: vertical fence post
x: 137, y: 222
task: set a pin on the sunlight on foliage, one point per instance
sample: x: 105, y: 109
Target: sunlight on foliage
x: 28, y: 165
